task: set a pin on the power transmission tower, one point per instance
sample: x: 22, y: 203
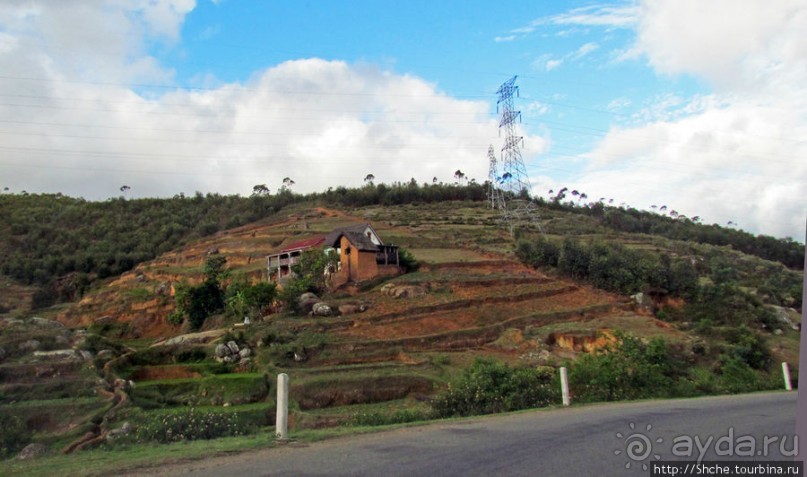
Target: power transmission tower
x: 495, y: 197
x: 514, y: 181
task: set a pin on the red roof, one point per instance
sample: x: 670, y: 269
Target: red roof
x: 304, y: 244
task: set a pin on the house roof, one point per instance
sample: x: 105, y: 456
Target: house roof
x: 360, y: 241
x: 304, y: 244
x: 353, y: 232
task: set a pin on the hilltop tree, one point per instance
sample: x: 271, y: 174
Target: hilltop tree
x: 368, y: 179
x: 459, y: 175
x: 260, y: 190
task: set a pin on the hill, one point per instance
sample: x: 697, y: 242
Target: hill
x: 477, y: 293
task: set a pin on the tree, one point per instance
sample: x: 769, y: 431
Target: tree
x: 260, y: 190
x: 459, y: 175
x: 124, y: 189
x: 369, y: 178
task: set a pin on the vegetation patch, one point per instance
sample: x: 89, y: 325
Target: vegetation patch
x: 214, y: 390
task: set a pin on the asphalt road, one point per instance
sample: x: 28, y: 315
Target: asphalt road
x: 578, y: 441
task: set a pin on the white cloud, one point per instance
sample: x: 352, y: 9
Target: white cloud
x: 623, y: 16
x: 83, y: 131
x: 584, y: 50
x: 501, y: 39
x: 608, y: 16
x: 736, y: 154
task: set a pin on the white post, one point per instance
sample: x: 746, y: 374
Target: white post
x: 564, y: 385
x: 282, y: 419
x: 786, y: 373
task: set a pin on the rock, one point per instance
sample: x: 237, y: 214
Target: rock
x: 86, y: 355
x: 104, y: 320
x: 222, y: 350
x: 140, y: 277
x: 245, y: 353
x: 163, y: 289
x: 229, y: 359
x: 351, y: 309
x: 106, y: 354
x: 244, y: 361
x: 212, y: 251
x: 322, y: 309
x: 32, y: 451
x: 233, y: 347
x: 69, y: 354
x: 200, y: 337
x: 778, y: 332
x: 125, y: 429
x: 387, y: 289
x: 786, y: 315
x: 300, y: 357
x: 309, y: 296
x: 226, y: 404
x: 46, y: 323
x: 28, y: 346
x: 307, y: 301
x: 408, y: 291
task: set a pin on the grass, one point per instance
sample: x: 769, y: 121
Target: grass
x: 210, y: 390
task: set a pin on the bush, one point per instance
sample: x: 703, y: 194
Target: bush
x: 489, y: 386
x: 407, y: 261
x: 629, y: 370
x: 192, y: 425
x: 14, y: 435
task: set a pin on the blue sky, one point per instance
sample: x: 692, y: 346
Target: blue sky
x: 697, y: 106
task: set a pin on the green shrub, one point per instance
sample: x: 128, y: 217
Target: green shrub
x: 14, y: 435
x: 192, y: 425
x: 489, y: 386
x: 630, y: 369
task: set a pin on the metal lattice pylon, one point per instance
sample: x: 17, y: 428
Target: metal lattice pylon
x: 495, y: 197
x: 514, y: 180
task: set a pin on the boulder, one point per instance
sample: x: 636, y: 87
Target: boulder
x: 163, y: 289
x: 387, y: 289
x: 32, y: 451
x: 321, y: 309
x: 245, y: 353
x: 307, y: 301
x: 28, y: 346
x: 408, y: 291
x: 352, y: 309
x: 125, y: 429
x: 233, y: 347
x: 222, y: 350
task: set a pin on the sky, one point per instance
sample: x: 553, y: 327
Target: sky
x: 696, y: 105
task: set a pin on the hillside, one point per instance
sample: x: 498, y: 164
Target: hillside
x: 473, y: 296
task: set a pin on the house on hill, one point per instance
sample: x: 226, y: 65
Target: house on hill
x: 362, y: 255
x: 279, y: 264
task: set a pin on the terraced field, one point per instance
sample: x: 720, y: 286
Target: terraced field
x: 474, y: 299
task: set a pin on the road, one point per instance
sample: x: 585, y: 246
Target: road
x: 577, y: 441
